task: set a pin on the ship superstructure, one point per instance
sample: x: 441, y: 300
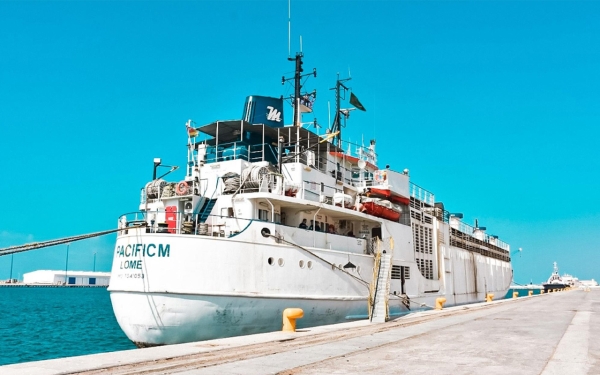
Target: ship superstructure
x: 270, y: 216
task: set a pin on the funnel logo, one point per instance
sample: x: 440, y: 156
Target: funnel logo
x: 264, y: 110
x: 273, y: 114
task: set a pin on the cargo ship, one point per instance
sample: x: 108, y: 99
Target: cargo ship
x: 271, y: 216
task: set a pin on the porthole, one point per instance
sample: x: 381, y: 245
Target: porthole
x: 271, y: 261
x: 265, y: 232
x: 281, y: 262
x: 301, y: 264
x: 309, y: 265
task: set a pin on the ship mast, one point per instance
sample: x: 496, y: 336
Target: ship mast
x: 297, y: 87
x: 336, y: 127
x: 297, y: 97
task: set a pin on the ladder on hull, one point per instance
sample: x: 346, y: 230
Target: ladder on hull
x: 380, y: 286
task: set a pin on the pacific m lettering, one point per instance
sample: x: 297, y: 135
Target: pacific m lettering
x: 149, y: 250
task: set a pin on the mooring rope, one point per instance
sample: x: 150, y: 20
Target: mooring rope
x: 60, y: 241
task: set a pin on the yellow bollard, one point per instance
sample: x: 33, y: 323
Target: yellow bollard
x: 530, y: 293
x: 289, y: 318
x: 515, y: 294
x: 439, y: 303
x: 489, y: 297
x: 541, y: 291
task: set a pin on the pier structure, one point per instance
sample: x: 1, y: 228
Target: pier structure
x: 541, y: 334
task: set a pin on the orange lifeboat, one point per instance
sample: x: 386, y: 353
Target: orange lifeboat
x: 387, y: 194
x: 381, y: 208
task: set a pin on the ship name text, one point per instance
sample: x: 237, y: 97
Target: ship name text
x: 145, y: 250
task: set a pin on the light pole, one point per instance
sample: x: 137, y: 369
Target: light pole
x: 67, y: 264
x: 11, y: 266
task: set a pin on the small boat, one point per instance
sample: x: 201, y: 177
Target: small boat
x: 381, y: 208
x: 555, y: 282
x: 386, y: 194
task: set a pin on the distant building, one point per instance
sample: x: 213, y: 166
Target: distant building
x: 72, y: 277
x: 591, y: 282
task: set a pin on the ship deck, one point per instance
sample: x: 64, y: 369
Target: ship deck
x: 544, y: 334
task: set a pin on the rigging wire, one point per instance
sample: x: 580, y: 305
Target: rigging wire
x: 333, y: 266
x: 60, y: 241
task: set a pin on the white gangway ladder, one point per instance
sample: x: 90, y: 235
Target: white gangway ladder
x: 380, y: 285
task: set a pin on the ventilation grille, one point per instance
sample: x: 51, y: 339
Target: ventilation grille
x: 426, y: 268
x: 398, y: 270
x: 415, y: 203
x: 415, y: 215
x: 422, y: 238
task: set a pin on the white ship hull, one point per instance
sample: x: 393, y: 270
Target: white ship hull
x: 201, y: 288
x: 270, y: 217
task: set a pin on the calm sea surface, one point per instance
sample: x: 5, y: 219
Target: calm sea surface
x: 45, y: 323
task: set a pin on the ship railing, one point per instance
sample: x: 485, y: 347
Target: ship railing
x: 169, y: 189
x: 362, y: 152
x: 270, y: 182
x: 320, y: 192
x: 326, y: 164
x: 230, y: 226
x: 241, y: 150
x: 421, y: 194
x: 130, y: 219
x: 487, y: 238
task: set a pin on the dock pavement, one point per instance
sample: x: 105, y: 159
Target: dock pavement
x: 557, y: 333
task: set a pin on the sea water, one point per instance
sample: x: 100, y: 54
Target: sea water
x: 44, y: 323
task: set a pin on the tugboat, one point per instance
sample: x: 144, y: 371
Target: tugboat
x: 555, y: 282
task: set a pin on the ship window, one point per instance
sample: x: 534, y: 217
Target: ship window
x: 71, y: 280
x: 92, y: 281
x: 278, y: 218
x: 263, y: 215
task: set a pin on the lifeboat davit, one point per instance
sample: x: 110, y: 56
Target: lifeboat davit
x: 381, y: 208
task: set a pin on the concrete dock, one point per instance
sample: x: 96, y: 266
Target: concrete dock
x: 557, y: 333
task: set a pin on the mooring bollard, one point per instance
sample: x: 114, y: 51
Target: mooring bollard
x: 439, y: 303
x: 541, y: 291
x: 515, y: 294
x: 489, y: 297
x: 289, y: 319
x: 530, y: 293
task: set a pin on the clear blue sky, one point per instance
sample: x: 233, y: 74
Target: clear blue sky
x: 493, y: 105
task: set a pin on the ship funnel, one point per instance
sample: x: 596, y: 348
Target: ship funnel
x: 455, y: 220
x: 479, y: 232
x: 264, y: 110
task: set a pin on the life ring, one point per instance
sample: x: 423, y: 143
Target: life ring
x: 380, y: 176
x: 182, y: 188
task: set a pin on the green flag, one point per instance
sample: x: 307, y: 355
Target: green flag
x: 354, y: 101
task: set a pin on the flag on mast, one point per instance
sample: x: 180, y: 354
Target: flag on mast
x: 354, y: 101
